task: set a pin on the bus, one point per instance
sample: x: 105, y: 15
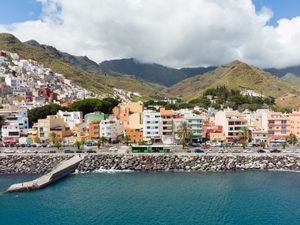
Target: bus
x: 150, y: 149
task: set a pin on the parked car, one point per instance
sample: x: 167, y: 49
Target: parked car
x: 248, y: 151
x: 275, y: 150
x: 195, y: 144
x: 91, y: 151
x: 9, y: 151
x: 261, y: 151
x: 52, y: 151
x: 198, y: 150
x: 21, y: 151
x: 32, y: 151
x: 113, y: 149
x: 79, y: 151
x: 69, y: 151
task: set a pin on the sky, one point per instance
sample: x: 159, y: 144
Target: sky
x: 177, y: 33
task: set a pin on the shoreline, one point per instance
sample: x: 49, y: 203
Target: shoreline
x: 39, y: 164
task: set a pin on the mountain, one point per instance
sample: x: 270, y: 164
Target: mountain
x: 150, y: 72
x: 235, y: 75
x: 292, y: 79
x: 81, y: 61
x: 282, y: 72
x: 99, y: 82
x: 193, y: 71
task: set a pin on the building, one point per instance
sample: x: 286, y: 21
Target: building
x: 151, y: 125
x: 71, y: 118
x: 112, y: 129
x: 15, y: 116
x: 166, y: 122
x: 13, y: 82
x: 135, y: 135
x: 196, y: 124
x: 10, y: 134
x: 52, y: 124
x: 259, y: 136
x: 233, y: 122
x: 94, y: 117
x: 278, y: 127
x: 294, y: 123
x: 93, y: 129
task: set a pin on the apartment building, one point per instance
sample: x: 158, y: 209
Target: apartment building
x: 233, y: 122
x: 10, y: 134
x: 151, y: 125
x: 294, y: 123
x: 52, y: 124
x: 15, y: 116
x: 71, y: 118
x: 167, y: 128
x: 112, y: 129
x: 196, y: 124
x: 278, y: 127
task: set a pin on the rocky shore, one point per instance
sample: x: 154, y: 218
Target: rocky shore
x: 29, y: 164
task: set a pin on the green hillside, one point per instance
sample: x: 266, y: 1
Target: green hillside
x: 235, y: 75
x: 96, y: 82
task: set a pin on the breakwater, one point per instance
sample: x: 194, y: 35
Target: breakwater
x: 29, y: 164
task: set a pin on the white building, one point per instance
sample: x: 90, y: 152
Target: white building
x: 13, y: 82
x: 151, y: 125
x: 111, y: 128
x: 10, y: 134
x: 71, y: 118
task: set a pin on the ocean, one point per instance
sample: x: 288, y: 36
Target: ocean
x: 157, y: 198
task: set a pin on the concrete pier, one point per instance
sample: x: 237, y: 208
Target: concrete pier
x: 61, y: 170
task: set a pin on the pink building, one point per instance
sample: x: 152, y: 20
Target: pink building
x: 278, y: 127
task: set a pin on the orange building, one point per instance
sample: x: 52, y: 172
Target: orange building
x: 294, y: 122
x: 93, y: 130
x: 135, y: 135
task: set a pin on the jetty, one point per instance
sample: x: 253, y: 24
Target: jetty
x: 63, y: 169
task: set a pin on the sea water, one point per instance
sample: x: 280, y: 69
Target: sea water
x: 244, y: 198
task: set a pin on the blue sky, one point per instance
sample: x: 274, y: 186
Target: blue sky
x: 22, y: 10
x: 281, y: 8
x: 13, y: 11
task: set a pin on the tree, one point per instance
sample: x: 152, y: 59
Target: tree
x: 79, y: 143
x: 125, y: 139
x: 57, y: 144
x: 245, y: 136
x: 262, y: 144
x: 55, y: 140
x: 184, y: 132
x: 42, y: 112
x: 101, y: 142
x: 292, y: 139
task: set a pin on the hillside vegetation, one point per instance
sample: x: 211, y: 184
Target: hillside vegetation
x: 237, y: 76
x: 97, y: 82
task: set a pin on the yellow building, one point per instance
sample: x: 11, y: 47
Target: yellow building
x: 52, y: 124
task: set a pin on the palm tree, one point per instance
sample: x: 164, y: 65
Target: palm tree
x: 245, y: 136
x: 78, y: 143
x: 101, y: 142
x: 184, y: 132
x: 55, y: 140
x: 125, y: 139
x: 292, y: 139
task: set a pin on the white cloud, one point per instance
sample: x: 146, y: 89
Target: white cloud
x: 172, y: 32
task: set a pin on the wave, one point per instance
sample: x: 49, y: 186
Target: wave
x: 285, y: 170
x: 111, y: 171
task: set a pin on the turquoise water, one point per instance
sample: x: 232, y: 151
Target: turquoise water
x: 246, y: 198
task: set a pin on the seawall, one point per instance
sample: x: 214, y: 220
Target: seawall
x: 29, y: 164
